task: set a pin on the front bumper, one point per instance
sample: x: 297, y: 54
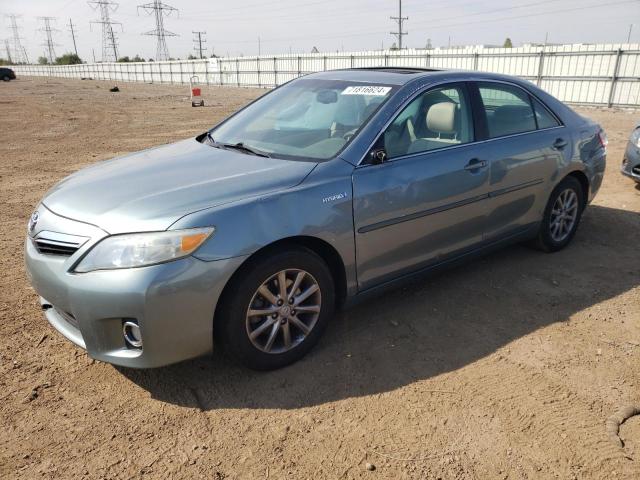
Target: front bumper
x: 631, y: 162
x: 173, y: 303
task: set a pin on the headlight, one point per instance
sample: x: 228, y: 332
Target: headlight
x: 635, y: 137
x: 140, y: 249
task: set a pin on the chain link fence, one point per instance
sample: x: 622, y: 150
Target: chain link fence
x: 602, y: 74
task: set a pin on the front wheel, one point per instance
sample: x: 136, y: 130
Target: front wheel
x: 561, y: 216
x: 276, y: 308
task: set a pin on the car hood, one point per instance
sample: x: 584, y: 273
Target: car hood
x: 151, y: 189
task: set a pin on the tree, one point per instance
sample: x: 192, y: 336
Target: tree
x: 68, y: 59
x: 192, y: 57
x: 43, y: 60
x: 137, y: 58
x: 507, y: 43
x: 124, y: 59
x: 4, y: 62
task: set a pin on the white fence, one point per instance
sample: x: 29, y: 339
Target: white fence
x: 580, y: 74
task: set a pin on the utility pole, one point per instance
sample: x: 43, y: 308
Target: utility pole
x: 73, y: 35
x: 199, y: 41
x: 19, y: 52
x: 48, y: 31
x: 159, y: 10
x: 629, y: 36
x: 259, y: 49
x: 400, y: 20
x: 109, y: 40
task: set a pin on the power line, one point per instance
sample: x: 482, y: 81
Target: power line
x: 109, y: 40
x: 400, y: 20
x: 49, y: 43
x: 73, y: 36
x: 19, y: 54
x: 199, y: 41
x: 362, y: 33
x: 159, y: 9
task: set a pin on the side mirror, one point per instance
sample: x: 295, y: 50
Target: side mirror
x: 377, y: 156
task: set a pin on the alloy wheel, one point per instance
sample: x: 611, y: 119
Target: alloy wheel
x: 283, y: 311
x: 563, y: 215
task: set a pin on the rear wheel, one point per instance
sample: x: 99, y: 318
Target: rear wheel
x: 6, y: 78
x: 276, y: 309
x: 561, y: 216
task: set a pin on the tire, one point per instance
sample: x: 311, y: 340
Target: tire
x: 6, y: 78
x: 202, y: 103
x: 548, y: 239
x: 234, y: 322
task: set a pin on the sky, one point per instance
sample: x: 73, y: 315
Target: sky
x: 245, y: 27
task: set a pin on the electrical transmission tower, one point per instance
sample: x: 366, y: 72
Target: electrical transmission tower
x: 199, y: 41
x: 109, y: 40
x: 159, y: 9
x: 6, y: 44
x: 400, y: 20
x: 19, y: 54
x: 49, y: 43
x: 73, y: 36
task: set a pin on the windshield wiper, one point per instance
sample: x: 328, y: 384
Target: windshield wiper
x: 243, y: 148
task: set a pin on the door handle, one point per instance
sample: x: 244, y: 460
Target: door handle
x: 475, y: 165
x: 559, y: 144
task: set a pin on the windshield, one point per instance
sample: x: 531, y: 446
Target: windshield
x: 304, y: 119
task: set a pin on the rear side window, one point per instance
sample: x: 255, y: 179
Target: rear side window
x: 508, y: 109
x: 543, y: 116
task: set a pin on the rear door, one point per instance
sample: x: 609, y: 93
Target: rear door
x: 525, y: 145
x: 427, y: 200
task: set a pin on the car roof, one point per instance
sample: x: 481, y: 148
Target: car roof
x: 404, y: 75
x: 386, y: 75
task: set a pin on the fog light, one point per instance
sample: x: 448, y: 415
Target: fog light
x: 132, y: 335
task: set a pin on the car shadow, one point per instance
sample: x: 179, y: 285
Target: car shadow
x: 430, y: 327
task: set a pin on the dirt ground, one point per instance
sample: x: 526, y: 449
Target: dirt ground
x: 507, y: 367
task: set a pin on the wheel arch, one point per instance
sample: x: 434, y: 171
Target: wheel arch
x: 584, y: 182
x: 320, y: 247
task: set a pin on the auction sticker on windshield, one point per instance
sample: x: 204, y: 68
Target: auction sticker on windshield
x: 366, y: 90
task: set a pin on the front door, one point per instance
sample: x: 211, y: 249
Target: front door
x: 427, y: 200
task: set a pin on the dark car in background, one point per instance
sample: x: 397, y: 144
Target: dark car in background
x: 7, y: 74
x: 631, y: 159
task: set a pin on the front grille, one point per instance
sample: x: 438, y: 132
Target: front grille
x: 55, y: 243
x: 48, y: 246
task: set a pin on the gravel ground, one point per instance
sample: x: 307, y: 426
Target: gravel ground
x: 507, y: 367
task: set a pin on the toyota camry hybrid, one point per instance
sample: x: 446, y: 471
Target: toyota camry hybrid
x: 326, y: 189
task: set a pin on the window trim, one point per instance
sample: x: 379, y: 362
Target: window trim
x: 472, y: 87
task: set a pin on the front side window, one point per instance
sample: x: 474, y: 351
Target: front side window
x: 436, y: 119
x: 305, y: 119
x: 508, y: 109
